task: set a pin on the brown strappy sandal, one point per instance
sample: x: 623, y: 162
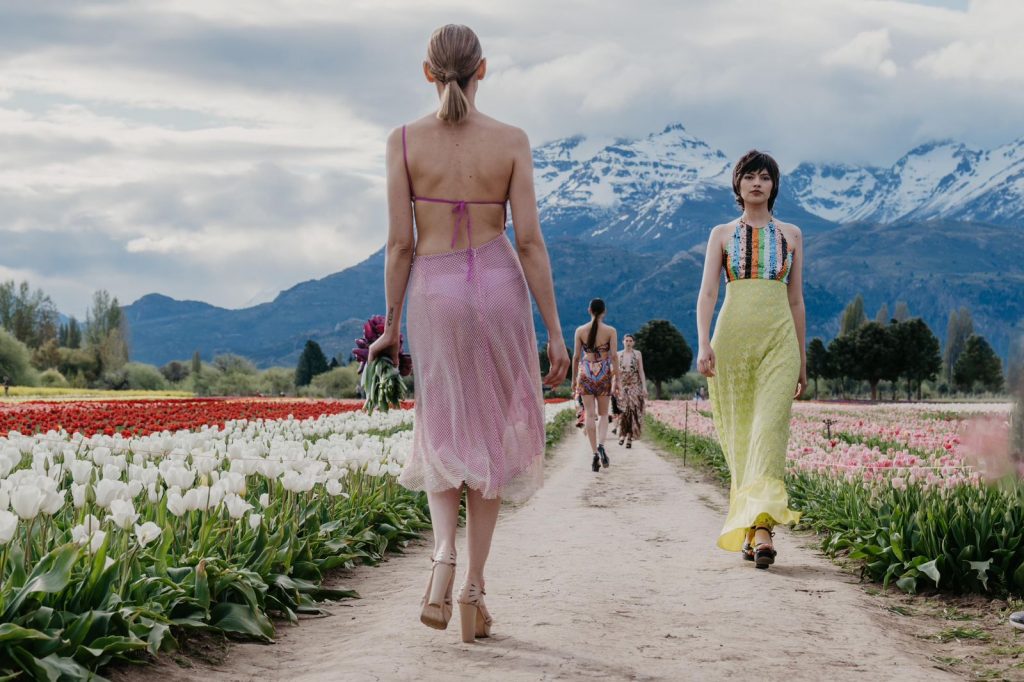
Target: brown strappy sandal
x: 476, y: 621
x: 437, y: 601
x: 764, y: 553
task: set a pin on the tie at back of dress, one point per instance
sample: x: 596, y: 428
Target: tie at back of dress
x: 460, y: 211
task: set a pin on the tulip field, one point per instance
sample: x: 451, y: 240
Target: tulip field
x: 921, y: 495
x: 126, y: 523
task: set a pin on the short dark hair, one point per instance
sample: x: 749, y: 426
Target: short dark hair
x: 754, y: 162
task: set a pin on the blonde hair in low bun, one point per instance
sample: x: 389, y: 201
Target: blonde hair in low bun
x: 453, y: 55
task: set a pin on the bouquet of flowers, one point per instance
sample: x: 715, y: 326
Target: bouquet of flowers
x: 381, y: 380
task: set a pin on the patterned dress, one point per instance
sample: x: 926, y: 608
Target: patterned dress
x: 595, y: 373
x: 757, y: 364
x: 633, y: 393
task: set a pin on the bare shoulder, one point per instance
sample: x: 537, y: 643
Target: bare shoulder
x: 720, y: 232
x: 790, y: 231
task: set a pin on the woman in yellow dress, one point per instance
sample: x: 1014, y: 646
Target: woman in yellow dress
x: 756, y: 358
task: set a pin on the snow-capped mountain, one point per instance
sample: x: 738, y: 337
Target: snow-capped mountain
x: 936, y: 180
x: 663, y: 191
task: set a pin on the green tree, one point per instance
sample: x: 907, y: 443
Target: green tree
x: 277, y: 381
x: 817, y: 362
x: 874, y: 355
x: 917, y: 350
x: 901, y: 312
x: 978, y: 365
x: 843, y: 360
x: 958, y: 330
x: 852, y: 317
x: 106, y: 330
x: 882, y: 316
x: 15, y: 360
x: 74, y: 338
x: 666, y: 353
x: 229, y: 363
x: 30, y: 316
x: 200, y: 386
x: 175, y: 371
x: 311, y: 362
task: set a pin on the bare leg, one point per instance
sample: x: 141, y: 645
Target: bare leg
x: 590, y: 409
x: 444, y: 517
x: 481, y: 517
x: 602, y: 419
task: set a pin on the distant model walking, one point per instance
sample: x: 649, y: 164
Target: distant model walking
x: 632, y: 391
x: 756, y: 358
x: 594, y: 375
x: 479, y: 422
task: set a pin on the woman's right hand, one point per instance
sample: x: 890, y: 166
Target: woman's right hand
x: 387, y: 345
x: 558, y: 360
x: 706, y: 361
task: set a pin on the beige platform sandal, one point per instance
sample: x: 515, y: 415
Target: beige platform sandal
x: 476, y: 621
x: 437, y: 601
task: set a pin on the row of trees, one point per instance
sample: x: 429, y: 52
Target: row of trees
x: 904, y: 348
x: 36, y: 347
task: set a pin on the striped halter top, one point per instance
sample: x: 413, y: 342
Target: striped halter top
x: 758, y: 253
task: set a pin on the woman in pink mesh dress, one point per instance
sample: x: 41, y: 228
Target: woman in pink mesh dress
x: 479, y: 408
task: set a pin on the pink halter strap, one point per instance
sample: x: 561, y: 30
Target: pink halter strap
x: 460, y: 209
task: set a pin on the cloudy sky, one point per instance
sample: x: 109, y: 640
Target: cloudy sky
x: 221, y: 150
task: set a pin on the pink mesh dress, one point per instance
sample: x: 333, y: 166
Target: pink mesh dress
x: 479, y: 411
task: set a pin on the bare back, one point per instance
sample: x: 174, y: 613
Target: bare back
x: 605, y: 338
x: 472, y: 161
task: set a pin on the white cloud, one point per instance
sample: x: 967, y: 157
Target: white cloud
x: 867, y: 50
x: 212, y: 148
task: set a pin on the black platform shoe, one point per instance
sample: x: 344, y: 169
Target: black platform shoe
x: 596, y: 464
x: 604, y: 456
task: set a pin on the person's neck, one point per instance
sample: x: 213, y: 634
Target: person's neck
x: 758, y: 217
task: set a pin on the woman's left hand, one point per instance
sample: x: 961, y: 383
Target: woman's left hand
x: 801, y: 383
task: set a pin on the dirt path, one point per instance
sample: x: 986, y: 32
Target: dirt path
x: 600, y: 576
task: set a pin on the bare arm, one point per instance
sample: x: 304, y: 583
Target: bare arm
x: 615, y: 360
x: 640, y: 366
x: 796, y: 306
x: 533, y: 254
x: 399, y: 249
x: 576, y: 357
x: 706, y: 300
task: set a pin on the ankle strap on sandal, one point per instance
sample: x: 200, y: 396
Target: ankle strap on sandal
x: 442, y: 558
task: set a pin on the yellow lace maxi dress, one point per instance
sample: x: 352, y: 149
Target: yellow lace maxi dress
x: 757, y: 363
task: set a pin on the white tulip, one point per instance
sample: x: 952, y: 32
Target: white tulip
x: 179, y: 477
x: 88, y: 532
x: 27, y: 500
x: 134, y: 488
x: 53, y: 501
x: 5, y: 499
x: 108, y: 490
x: 176, y: 503
x: 111, y: 471
x: 81, y: 471
x: 78, y: 495
x: 264, y: 500
x: 8, y: 526
x: 123, y: 513
x: 146, y: 533
x: 255, y: 520
x: 215, y: 495
x: 153, y: 493
x: 236, y: 506
x: 334, y: 488
x: 10, y: 457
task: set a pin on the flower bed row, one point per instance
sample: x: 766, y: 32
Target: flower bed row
x: 895, y: 488
x: 114, y: 544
